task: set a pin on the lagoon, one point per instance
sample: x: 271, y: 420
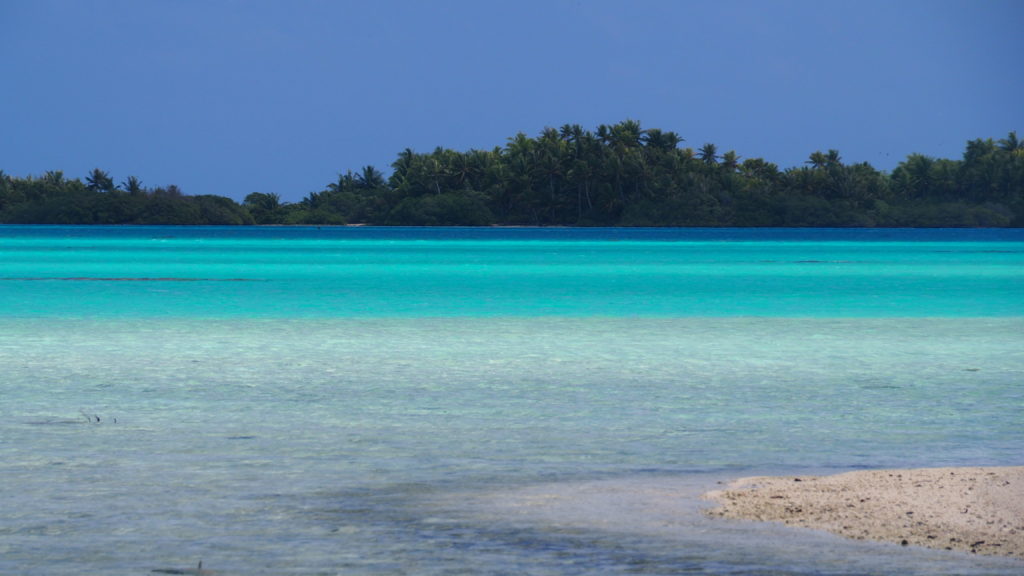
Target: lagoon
x: 437, y: 401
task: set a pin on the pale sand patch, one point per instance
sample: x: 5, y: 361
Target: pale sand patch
x: 977, y: 510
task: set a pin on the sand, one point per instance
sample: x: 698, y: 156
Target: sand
x: 979, y: 510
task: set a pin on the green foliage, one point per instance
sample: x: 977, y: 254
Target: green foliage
x: 133, y: 186
x: 264, y: 208
x: 52, y: 199
x: 445, y: 209
x: 617, y: 175
x: 99, y: 181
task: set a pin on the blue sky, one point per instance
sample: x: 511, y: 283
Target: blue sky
x: 230, y: 97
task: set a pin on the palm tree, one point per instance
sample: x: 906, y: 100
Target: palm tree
x: 480, y: 169
x: 730, y: 161
x: 400, y: 168
x: 553, y: 159
x: 817, y: 160
x: 581, y: 174
x: 664, y: 141
x: 133, y: 186
x: 313, y: 201
x: 369, y: 178
x: 435, y: 169
x: 264, y: 207
x: 519, y: 196
x: 832, y: 159
x: 1011, y: 143
x: 978, y: 149
x: 5, y: 186
x: 345, y: 182
x: 627, y: 134
x: 263, y: 201
x: 99, y: 181
x: 573, y: 134
x: 913, y: 176
x: 54, y: 178
x: 760, y: 169
x: 709, y: 154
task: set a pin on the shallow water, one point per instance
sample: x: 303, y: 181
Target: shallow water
x: 438, y: 402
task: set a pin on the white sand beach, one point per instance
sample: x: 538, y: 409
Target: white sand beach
x: 978, y: 510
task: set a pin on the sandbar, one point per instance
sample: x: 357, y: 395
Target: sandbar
x: 978, y: 510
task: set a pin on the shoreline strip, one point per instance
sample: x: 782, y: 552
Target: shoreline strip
x: 971, y: 509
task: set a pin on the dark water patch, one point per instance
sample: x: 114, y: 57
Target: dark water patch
x: 199, y: 570
x: 126, y: 279
x: 654, y: 526
x: 830, y: 262
x: 58, y: 422
x: 978, y: 251
x: 86, y: 418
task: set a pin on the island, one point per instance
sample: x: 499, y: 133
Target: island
x: 616, y: 175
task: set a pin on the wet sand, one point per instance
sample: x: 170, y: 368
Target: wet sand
x: 978, y: 510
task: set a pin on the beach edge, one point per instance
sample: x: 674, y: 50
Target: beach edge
x: 971, y: 509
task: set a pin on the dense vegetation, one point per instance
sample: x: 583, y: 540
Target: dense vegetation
x: 618, y: 175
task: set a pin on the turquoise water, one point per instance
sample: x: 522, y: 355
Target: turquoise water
x: 285, y: 273
x: 492, y: 401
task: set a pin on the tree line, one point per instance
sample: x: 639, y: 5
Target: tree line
x: 616, y: 175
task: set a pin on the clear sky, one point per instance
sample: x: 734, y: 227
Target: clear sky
x: 230, y: 97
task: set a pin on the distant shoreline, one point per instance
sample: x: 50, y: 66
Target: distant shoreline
x: 971, y: 509
x: 619, y: 175
x: 514, y: 226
